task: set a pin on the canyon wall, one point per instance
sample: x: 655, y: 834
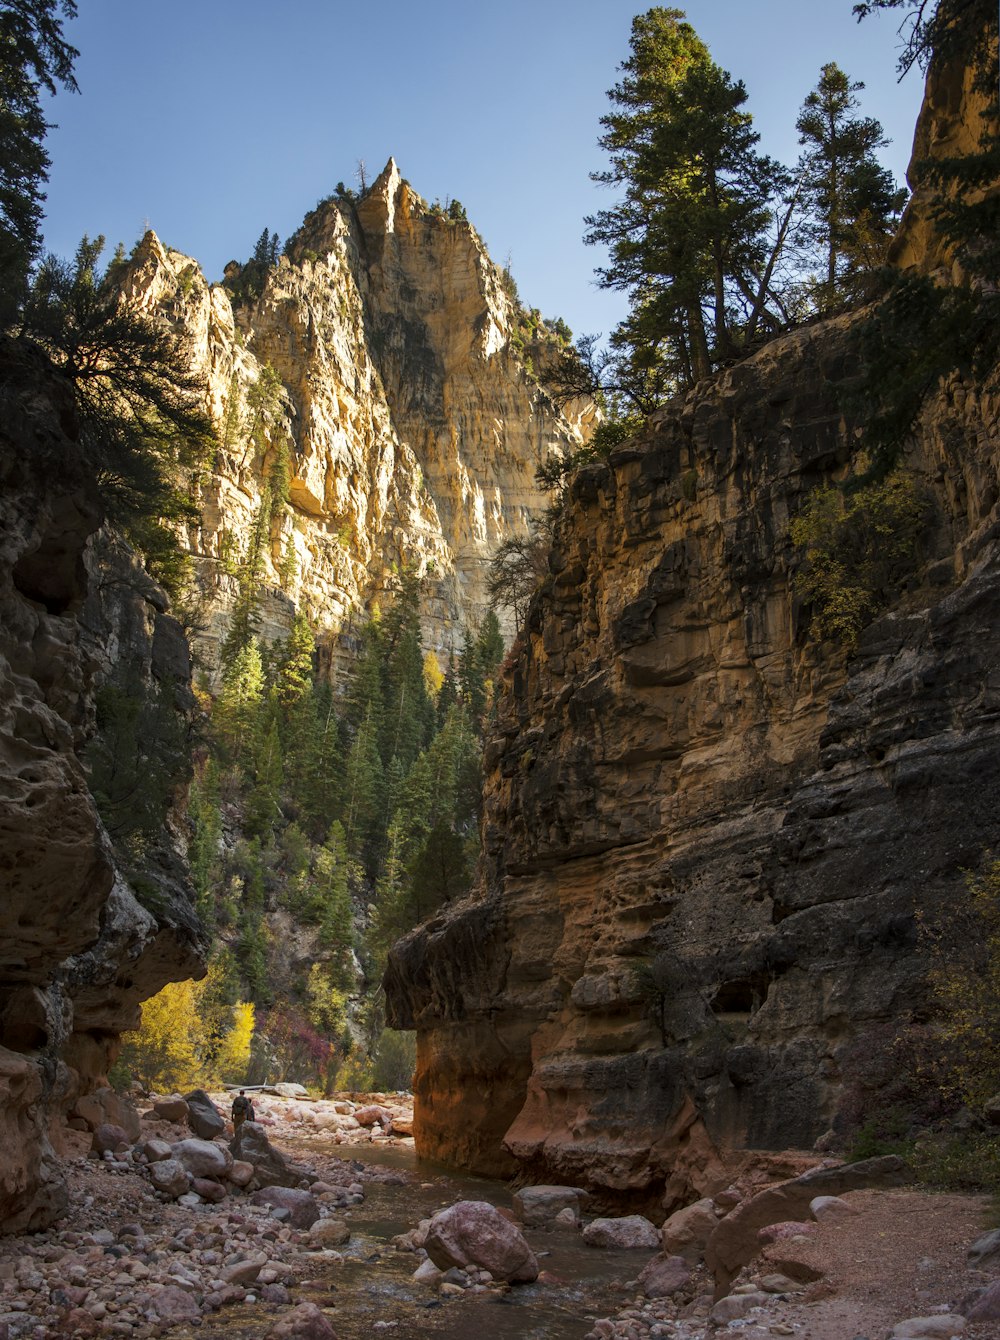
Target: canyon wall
x: 414, y: 426
x: 706, y: 833
x: 80, y: 947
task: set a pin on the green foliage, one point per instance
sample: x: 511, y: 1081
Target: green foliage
x: 191, y: 1033
x: 517, y: 569
x: 924, y: 330
x: 854, y: 203
x: 857, y: 546
x: 138, y: 759
x: 139, y: 407
x: 248, y: 284
x: 395, y: 1061
x: 34, y: 58
x: 964, y: 945
x: 365, y: 797
x: 687, y: 238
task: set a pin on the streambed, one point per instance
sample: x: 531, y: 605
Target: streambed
x: 372, y: 1291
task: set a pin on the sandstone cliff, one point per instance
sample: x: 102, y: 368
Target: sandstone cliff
x: 414, y: 426
x: 705, y: 835
x: 79, y: 950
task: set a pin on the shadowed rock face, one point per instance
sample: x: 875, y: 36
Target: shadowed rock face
x: 77, y: 950
x: 706, y: 836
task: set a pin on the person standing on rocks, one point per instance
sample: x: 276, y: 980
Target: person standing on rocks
x: 242, y: 1110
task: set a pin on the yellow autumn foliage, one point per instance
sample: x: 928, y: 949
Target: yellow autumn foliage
x: 187, y: 1039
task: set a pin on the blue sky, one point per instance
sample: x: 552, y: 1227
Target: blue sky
x: 209, y: 121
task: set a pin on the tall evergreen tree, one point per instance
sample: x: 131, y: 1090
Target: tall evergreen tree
x: 34, y: 58
x: 853, y: 200
x: 687, y: 238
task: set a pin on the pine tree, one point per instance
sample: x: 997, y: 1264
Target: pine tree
x: 853, y: 200
x: 295, y: 663
x: 331, y: 903
x: 34, y: 58
x: 321, y: 785
x: 140, y: 412
x: 409, y: 712
x: 687, y: 239
x: 263, y: 810
x: 362, y: 789
x: 237, y: 710
x: 244, y: 618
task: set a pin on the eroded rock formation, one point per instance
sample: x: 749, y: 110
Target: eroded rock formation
x: 78, y: 951
x: 706, y: 835
x: 414, y: 425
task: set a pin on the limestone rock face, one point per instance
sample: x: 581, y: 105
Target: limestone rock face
x: 414, y: 426
x: 706, y: 835
x: 77, y: 950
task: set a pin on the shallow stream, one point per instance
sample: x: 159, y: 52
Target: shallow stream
x: 374, y: 1283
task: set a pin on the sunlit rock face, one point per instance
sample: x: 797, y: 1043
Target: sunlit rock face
x: 706, y: 835
x: 77, y: 950
x: 414, y: 426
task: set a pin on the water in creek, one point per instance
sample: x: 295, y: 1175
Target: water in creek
x: 374, y: 1283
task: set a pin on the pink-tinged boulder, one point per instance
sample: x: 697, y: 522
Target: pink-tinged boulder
x: 305, y: 1322
x: 169, y: 1177
x: 538, y: 1206
x: 664, y: 1276
x: 109, y: 1137
x: 630, y: 1232
x: 402, y: 1125
x: 368, y: 1116
x: 330, y: 1233
x: 736, y: 1306
x: 987, y: 1306
x: 155, y: 1151
x: 943, y: 1326
x: 173, y: 1108
x: 831, y: 1210
x: 202, y: 1158
x: 984, y: 1254
x: 104, y: 1106
x: 240, y: 1174
x: 301, y: 1206
x: 172, y: 1304
x: 208, y: 1190
x: 244, y: 1272
x: 474, y: 1233
x: 687, y: 1231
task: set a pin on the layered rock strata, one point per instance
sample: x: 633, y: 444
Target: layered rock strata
x: 706, y: 836
x: 78, y: 951
x: 414, y: 428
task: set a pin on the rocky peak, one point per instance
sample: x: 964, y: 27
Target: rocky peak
x: 414, y: 427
